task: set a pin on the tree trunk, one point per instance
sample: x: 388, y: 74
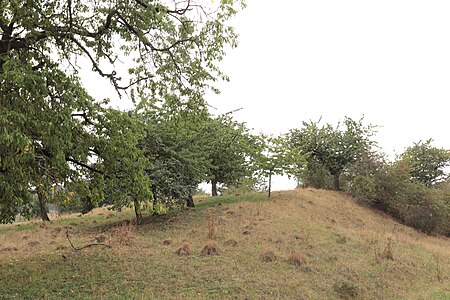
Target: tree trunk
x: 43, y: 210
x: 190, y: 201
x: 138, y: 212
x: 155, y: 198
x: 337, y: 185
x: 214, y: 189
x: 270, y: 183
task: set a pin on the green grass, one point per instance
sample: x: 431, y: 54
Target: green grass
x: 336, y: 237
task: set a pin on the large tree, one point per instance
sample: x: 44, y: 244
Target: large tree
x: 231, y: 150
x: 175, y: 146
x: 334, y: 148
x: 52, y: 130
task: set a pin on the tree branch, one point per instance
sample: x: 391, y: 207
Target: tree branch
x: 79, y: 163
x: 86, y: 246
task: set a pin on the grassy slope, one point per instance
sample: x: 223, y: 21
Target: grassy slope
x: 338, y: 239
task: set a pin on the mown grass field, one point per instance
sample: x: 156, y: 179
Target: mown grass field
x: 302, y: 244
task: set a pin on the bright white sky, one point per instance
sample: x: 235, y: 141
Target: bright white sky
x: 387, y: 60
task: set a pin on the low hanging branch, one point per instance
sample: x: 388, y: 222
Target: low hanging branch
x: 86, y: 246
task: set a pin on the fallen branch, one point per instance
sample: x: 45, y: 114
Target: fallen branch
x: 86, y: 246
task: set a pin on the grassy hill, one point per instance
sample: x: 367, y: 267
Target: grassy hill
x: 302, y: 244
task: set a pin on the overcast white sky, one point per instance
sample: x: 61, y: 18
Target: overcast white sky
x: 387, y: 60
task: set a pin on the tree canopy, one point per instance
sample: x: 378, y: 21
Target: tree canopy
x: 427, y: 163
x: 55, y: 134
x: 334, y: 148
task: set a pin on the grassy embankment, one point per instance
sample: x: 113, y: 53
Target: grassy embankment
x: 303, y: 244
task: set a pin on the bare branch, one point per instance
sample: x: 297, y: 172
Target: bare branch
x: 86, y: 246
x: 79, y: 163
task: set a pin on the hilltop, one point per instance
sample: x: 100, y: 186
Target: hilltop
x: 301, y: 244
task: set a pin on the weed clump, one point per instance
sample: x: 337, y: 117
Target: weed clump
x: 297, y: 259
x: 346, y: 290
x: 388, y: 253
x: 268, y: 256
x: 124, y: 234
x: 167, y: 241
x: 210, y: 248
x: 231, y: 242
x: 185, y: 249
x: 211, y: 226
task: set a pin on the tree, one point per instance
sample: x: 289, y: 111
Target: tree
x: 51, y: 126
x: 427, y: 163
x: 174, y: 144
x: 332, y: 147
x: 230, y: 151
x: 277, y: 158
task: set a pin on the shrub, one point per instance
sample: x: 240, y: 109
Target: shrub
x: 390, y: 188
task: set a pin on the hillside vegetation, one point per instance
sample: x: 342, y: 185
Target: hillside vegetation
x: 301, y: 244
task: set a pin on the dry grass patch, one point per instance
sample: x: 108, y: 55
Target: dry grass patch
x: 338, y: 257
x: 267, y: 256
x: 297, y: 258
x: 185, y: 249
x: 231, y: 243
x: 167, y: 241
x: 124, y: 234
x: 210, y: 248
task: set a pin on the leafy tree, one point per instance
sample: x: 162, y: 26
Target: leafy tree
x: 332, y: 147
x: 277, y: 158
x: 427, y: 163
x: 230, y: 151
x: 52, y: 129
x: 174, y: 144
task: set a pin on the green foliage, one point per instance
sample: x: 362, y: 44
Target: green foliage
x: 427, y: 163
x: 230, y: 150
x: 174, y: 145
x: 333, y: 148
x: 275, y: 157
x: 53, y: 134
x: 389, y: 187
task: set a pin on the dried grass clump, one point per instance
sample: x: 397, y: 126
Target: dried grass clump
x: 124, y: 234
x: 388, y: 253
x: 267, y: 256
x: 8, y: 249
x: 297, y: 258
x: 33, y: 244
x: 211, y: 226
x: 231, y: 242
x: 185, y: 249
x: 167, y: 241
x: 101, y: 238
x: 210, y: 248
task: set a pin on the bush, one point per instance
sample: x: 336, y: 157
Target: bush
x: 390, y: 188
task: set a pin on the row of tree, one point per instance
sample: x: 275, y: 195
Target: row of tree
x: 59, y: 145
